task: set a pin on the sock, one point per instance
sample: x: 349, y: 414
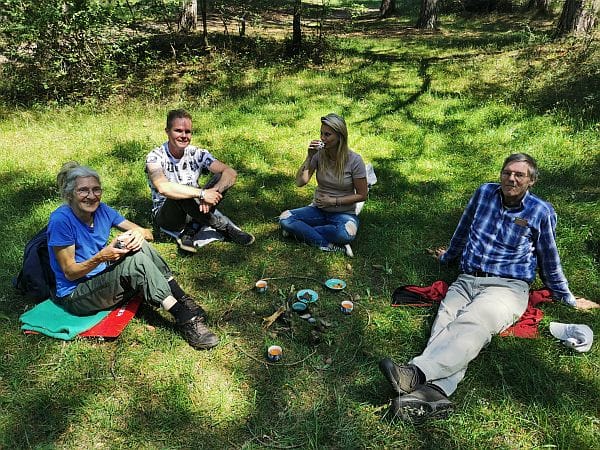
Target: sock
x: 420, y: 374
x: 181, y: 313
x: 176, y: 289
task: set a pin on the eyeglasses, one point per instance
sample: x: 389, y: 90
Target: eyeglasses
x: 519, y: 176
x: 85, y: 192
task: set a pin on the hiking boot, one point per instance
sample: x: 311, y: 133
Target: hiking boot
x: 196, y: 309
x: 426, y: 402
x: 235, y: 234
x: 185, y: 240
x: 403, y: 379
x: 197, y: 334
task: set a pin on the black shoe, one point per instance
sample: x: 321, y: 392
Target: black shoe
x: 425, y: 402
x: 197, y: 334
x: 186, y: 240
x: 196, y: 309
x: 234, y: 234
x: 403, y: 379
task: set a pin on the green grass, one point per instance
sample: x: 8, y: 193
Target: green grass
x: 436, y: 114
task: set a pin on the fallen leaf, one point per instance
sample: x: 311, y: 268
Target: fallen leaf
x: 268, y: 321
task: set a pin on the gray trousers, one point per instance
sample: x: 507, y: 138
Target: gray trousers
x: 143, y: 271
x: 473, y: 310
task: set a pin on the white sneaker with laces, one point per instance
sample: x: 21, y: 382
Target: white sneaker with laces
x: 346, y: 249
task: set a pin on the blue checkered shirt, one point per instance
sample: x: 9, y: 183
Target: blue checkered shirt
x: 509, y: 243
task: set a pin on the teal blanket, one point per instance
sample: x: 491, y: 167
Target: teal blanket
x: 50, y: 319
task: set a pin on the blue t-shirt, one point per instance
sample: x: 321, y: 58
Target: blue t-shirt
x: 65, y: 229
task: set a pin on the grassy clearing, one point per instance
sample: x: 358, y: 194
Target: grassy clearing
x: 436, y: 114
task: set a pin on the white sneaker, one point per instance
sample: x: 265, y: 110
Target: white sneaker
x: 346, y: 249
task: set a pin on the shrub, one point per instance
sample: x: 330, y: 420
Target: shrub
x: 57, y: 50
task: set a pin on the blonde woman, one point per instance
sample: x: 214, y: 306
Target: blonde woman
x: 330, y: 221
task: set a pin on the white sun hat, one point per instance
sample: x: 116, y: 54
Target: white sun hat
x: 578, y: 337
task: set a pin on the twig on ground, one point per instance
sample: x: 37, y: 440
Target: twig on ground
x: 293, y: 276
x: 268, y: 321
x: 268, y: 363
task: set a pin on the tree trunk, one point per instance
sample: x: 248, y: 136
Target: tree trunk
x: 578, y: 17
x: 428, y: 14
x: 387, y: 8
x: 540, y: 6
x: 189, y: 15
x: 203, y: 11
x: 296, y: 28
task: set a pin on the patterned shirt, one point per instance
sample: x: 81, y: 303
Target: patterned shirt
x: 509, y: 242
x: 185, y: 170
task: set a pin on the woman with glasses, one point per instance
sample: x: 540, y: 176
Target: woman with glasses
x: 330, y: 222
x: 93, y: 274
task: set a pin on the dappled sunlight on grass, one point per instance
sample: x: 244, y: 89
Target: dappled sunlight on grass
x: 436, y: 114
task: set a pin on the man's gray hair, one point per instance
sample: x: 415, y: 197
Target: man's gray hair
x: 524, y: 157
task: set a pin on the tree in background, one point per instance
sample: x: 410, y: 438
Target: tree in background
x: 540, y: 6
x: 428, y: 16
x: 387, y: 8
x: 204, y: 12
x: 296, y: 44
x: 189, y: 15
x: 578, y: 17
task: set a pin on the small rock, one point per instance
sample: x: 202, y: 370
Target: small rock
x: 324, y: 323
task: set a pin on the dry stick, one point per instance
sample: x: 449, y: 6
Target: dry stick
x: 293, y: 276
x: 270, y: 363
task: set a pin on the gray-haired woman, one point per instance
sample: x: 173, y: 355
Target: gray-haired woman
x: 93, y: 274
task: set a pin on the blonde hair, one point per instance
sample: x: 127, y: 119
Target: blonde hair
x: 66, y: 179
x: 336, y: 161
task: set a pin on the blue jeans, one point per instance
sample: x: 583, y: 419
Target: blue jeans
x: 319, y: 228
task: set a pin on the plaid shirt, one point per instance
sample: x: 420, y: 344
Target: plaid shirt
x: 509, y: 243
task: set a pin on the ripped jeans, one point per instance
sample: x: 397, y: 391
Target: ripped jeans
x: 319, y: 228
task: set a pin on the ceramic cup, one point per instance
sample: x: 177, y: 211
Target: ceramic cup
x: 347, y: 306
x: 274, y: 353
x: 261, y: 286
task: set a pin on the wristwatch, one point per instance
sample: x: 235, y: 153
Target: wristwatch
x: 201, y: 194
